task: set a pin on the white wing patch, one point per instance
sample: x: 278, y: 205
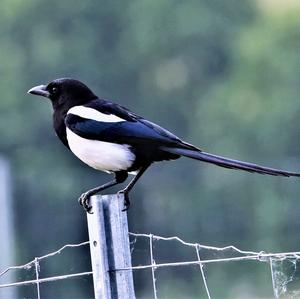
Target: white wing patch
x: 90, y: 113
x: 101, y: 155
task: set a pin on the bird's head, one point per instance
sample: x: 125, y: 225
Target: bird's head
x: 64, y: 92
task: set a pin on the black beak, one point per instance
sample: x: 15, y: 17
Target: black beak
x: 39, y: 90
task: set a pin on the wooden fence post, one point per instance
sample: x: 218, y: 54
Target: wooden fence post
x: 109, y: 245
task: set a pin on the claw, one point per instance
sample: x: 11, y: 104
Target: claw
x: 84, y: 201
x: 126, y: 200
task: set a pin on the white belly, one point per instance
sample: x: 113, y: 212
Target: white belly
x: 101, y: 155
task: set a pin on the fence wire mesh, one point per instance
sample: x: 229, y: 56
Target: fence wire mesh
x: 35, y: 263
x: 284, y: 266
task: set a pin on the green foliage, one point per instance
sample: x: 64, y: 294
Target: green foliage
x: 219, y: 74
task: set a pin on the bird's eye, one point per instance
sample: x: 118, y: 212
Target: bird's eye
x: 54, y: 90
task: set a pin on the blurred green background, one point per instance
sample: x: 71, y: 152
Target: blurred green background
x: 223, y: 75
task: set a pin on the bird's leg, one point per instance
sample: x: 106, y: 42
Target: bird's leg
x: 126, y: 190
x: 120, y: 177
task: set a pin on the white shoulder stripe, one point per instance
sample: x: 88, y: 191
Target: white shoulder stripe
x: 90, y: 113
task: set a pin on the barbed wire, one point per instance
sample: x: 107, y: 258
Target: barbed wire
x: 243, y: 255
x: 36, y: 263
x: 28, y: 265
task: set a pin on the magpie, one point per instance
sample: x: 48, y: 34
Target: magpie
x: 109, y: 137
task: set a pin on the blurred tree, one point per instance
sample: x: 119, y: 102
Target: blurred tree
x: 252, y: 115
x: 218, y: 73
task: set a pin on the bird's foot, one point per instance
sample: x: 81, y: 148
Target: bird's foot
x: 84, y: 201
x: 126, y: 200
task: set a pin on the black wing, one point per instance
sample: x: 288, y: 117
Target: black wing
x: 133, y: 130
x: 123, y: 132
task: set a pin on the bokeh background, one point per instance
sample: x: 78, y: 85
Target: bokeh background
x: 223, y: 75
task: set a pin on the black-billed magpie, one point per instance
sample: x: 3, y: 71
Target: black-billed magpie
x: 111, y: 138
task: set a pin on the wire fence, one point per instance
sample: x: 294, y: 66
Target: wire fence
x: 36, y: 264
x: 281, y: 278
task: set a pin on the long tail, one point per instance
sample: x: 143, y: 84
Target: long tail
x: 228, y: 163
